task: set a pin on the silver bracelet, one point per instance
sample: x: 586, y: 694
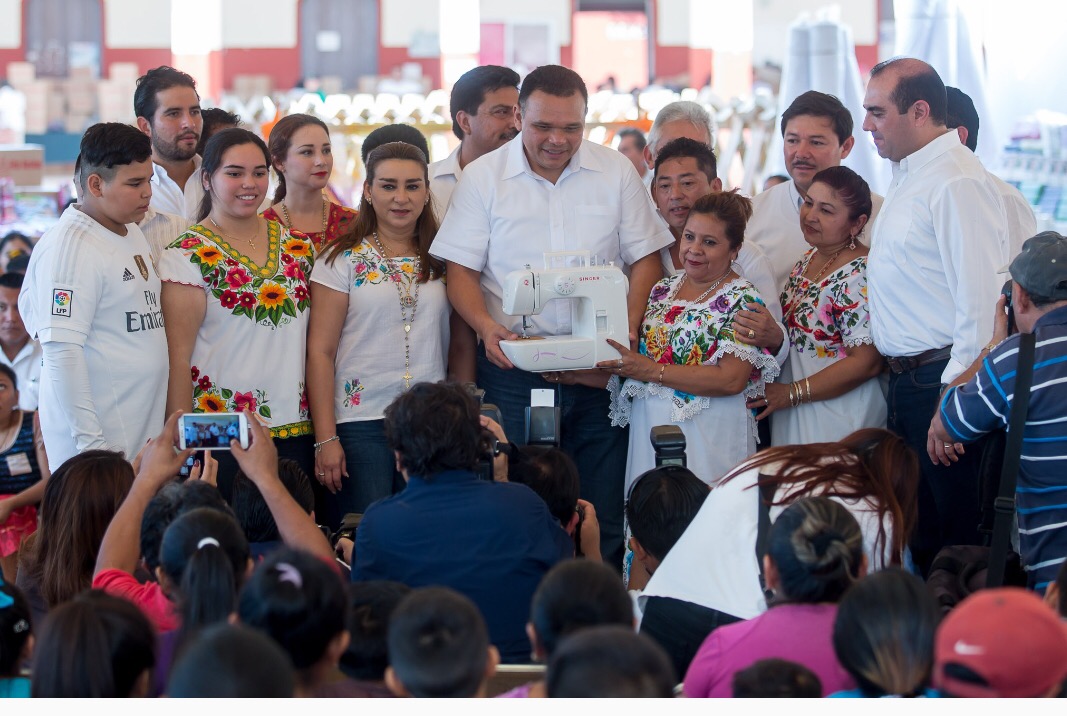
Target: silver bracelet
x: 318, y: 446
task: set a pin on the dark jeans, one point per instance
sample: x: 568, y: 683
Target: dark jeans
x: 300, y: 448
x: 949, y: 510
x: 598, y: 449
x: 371, y: 471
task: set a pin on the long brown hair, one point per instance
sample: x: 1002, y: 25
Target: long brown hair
x: 366, y: 222
x: 80, y: 499
x: 869, y: 464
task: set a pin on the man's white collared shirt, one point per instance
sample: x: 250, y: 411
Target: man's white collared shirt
x: 443, y: 178
x: 169, y: 198
x: 503, y: 217
x: 936, y: 247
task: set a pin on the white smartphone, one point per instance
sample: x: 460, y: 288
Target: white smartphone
x: 212, y: 431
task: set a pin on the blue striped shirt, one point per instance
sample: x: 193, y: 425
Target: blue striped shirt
x: 984, y: 405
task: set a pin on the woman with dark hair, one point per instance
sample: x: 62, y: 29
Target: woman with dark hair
x: 689, y: 369
x: 715, y: 566
x: 302, y: 156
x: 884, y: 635
x: 235, y: 304
x: 383, y: 322
x: 80, y: 498
x: 829, y: 386
x: 814, y: 554
x: 96, y: 646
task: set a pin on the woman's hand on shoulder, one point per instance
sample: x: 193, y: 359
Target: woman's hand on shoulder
x: 755, y: 326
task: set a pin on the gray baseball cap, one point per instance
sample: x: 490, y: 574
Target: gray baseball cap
x: 1041, y: 267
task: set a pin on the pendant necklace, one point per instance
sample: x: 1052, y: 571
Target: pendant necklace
x: 406, y: 301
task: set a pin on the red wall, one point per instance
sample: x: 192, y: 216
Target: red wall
x: 282, y: 64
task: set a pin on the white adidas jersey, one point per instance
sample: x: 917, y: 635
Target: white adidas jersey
x: 89, y: 286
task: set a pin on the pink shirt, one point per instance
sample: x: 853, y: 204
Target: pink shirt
x: 801, y: 633
x: 149, y: 597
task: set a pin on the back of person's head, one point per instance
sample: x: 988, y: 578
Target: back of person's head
x: 94, y: 646
x: 732, y: 208
x: 683, y: 110
x: 471, y: 88
x: 610, y: 662
x: 107, y: 146
x: 151, y: 83
x: 961, y: 113
x: 661, y: 504
x: 202, y: 563
x: 816, y: 547
x: 776, y: 679
x: 575, y: 595
x: 215, y: 119
x: 229, y: 661
x: 1001, y: 643
x: 370, y: 607
x: 11, y: 279
x: 15, y: 629
x: 251, y: 509
x: 435, y: 427
x: 299, y: 601
x: 172, y: 500
x: 820, y: 104
x: 438, y: 646
x: 394, y: 133
x: 684, y: 147
x: 80, y: 498
x: 552, y: 474
x: 554, y: 80
x: 884, y: 633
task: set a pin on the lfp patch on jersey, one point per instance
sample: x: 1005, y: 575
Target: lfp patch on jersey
x: 62, y: 302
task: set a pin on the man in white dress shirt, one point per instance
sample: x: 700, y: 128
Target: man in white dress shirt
x: 963, y: 117
x: 485, y: 115
x: 550, y: 190
x: 817, y: 135
x: 936, y: 248
x: 168, y: 111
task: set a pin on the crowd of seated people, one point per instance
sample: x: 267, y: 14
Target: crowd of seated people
x: 375, y: 535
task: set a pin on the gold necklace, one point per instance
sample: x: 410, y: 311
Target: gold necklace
x: 714, y: 285
x: 827, y: 264
x: 325, y: 213
x: 251, y: 241
x: 406, y: 301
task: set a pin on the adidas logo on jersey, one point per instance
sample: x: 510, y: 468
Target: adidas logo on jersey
x: 127, y: 275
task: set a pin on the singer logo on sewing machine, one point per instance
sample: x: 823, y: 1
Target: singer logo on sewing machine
x: 588, y: 278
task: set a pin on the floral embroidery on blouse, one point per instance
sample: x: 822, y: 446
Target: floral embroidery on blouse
x: 369, y: 267
x: 825, y: 317
x: 353, y: 388
x: 684, y: 333
x: 338, y: 220
x: 211, y: 398
x: 270, y: 295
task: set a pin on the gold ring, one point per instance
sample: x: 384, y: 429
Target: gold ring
x: 620, y: 363
x: 751, y: 333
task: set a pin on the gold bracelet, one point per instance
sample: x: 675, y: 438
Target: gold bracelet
x: 792, y: 395
x: 662, y: 367
x: 807, y: 385
x: 990, y: 347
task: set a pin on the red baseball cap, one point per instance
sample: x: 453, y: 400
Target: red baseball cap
x: 1009, y: 638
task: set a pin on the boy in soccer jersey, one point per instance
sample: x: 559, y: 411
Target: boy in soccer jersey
x: 91, y: 297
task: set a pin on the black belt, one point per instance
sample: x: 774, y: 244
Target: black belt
x: 905, y: 364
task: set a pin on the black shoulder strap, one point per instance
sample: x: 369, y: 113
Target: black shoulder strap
x: 763, y: 528
x: 1004, y: 506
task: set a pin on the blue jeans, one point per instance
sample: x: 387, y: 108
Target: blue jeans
x: 949, y: 509
x: 371, y: 471
x: 598, y: 449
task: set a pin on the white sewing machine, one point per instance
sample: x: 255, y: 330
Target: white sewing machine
x: 598, y: 295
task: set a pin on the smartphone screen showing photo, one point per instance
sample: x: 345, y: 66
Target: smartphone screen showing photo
x: 203, y: 431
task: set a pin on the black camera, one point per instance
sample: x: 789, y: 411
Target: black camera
x: 668, y: 441
x: 1006, y: 290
